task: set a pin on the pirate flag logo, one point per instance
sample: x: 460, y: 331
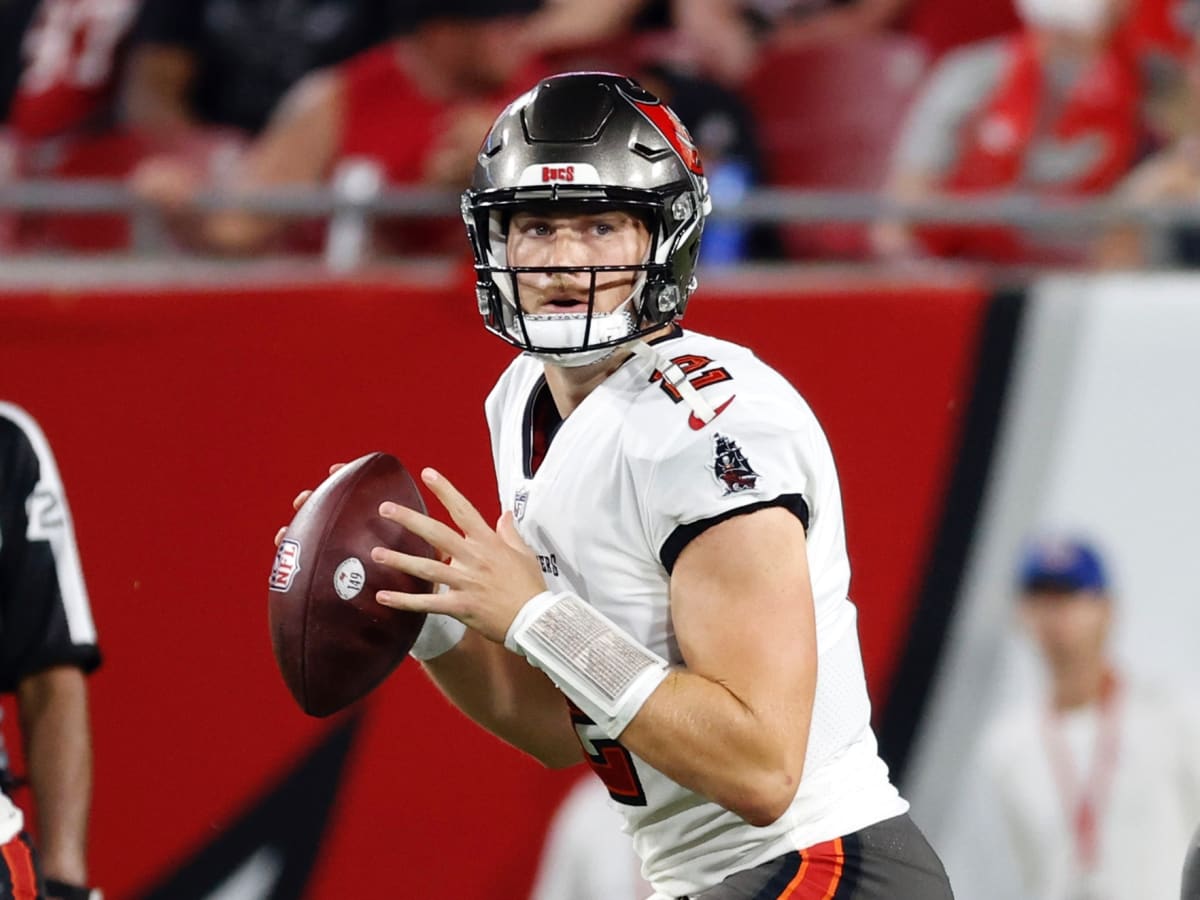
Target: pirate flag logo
x: 730, y: 466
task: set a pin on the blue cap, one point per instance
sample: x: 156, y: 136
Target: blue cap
x: 1062, y: 564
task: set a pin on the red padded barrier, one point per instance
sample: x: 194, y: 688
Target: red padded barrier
x: 185, y: 419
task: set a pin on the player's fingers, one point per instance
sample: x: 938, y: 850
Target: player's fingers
x: 279, y: 535
x: 335, y: 467
x: 506, y: 527
x: 461, y: 510
x: 300, y: 498
x: 417, y: 566
x: 427, y: 603
x: 444, y: 538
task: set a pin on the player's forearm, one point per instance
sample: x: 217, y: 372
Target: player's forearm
x: 702, y: 736
x: 58, y: 747
x: 512, y: 700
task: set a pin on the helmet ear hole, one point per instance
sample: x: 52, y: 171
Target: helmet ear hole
x: 668, y: 300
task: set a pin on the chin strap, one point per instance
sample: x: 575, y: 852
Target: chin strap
x: 675, y: 376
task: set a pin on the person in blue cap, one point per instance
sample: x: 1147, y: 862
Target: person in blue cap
x: 1091, y: 790
x: 1066, y: 607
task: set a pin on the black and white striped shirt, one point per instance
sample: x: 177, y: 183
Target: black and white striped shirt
x: 45, y: 617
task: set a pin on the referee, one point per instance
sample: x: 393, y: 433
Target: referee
x: 47, y: 645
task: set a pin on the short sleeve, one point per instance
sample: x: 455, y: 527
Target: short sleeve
x: 757, y: 453
x: 45, y: 617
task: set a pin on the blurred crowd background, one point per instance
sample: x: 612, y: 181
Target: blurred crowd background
x: 1003, y: 131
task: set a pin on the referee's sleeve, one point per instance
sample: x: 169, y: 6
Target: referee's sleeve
x: 45, y: 616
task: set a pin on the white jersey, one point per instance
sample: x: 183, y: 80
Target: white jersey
x: 631, y: 476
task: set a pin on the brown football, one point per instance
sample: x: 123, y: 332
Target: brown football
x: 333, y: 642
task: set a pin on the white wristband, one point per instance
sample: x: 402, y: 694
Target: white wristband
x: 439, y: 634
x: 602, y: 669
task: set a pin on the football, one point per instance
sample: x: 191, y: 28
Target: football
x: 333, y: 642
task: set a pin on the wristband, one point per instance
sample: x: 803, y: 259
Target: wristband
x: 607, y: 674
x: 439, y: 634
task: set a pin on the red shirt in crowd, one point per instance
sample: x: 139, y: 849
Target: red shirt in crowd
x: 387, y: 118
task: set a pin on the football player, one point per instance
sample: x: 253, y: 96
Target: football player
x: 666, y: 593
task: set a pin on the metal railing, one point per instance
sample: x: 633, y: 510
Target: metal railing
x: 352, y: 203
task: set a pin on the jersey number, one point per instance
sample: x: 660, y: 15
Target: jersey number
x: 45, y: 515
x: 698, y: 376
x: 609, y: 760
x: 74, y: 42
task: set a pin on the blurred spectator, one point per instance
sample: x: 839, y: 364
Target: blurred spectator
x: 1093, y: 790
x: 708, y: 36
x: 795, y: 22
x: 228, y: 62
x: 1163, y: 26
x: 61, y: 112
x: 722, y: 38
x: 15, y: 16
x: 587, y: 855
x: 1055, y: 111
x: 834, y: 128
x: 719, y: 38
x: 941, y: 25
x: 570, y: 26
x: 727, y: 136
x: 71, y: 54
x: 1170, y: 176
x: 652, y: 41
x: 417, y: 108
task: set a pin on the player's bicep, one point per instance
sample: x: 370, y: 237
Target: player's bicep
x: 742, y: 607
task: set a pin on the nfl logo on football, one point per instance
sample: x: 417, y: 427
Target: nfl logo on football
x: 286, y: 565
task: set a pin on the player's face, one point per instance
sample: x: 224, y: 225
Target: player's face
x: 543, y: 238
x: 1071, y: 627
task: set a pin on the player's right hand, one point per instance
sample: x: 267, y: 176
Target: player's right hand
x: 299, y: 502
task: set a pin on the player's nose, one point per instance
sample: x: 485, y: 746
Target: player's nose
x: 567, y: 249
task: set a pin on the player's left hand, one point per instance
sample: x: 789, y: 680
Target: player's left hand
x: 490, y: 575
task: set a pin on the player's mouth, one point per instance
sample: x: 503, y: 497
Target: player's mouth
x: 564, y: 305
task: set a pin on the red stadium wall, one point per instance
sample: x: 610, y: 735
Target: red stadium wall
x: 184, y: 421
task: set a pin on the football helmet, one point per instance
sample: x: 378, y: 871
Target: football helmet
x: 587, y: 140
